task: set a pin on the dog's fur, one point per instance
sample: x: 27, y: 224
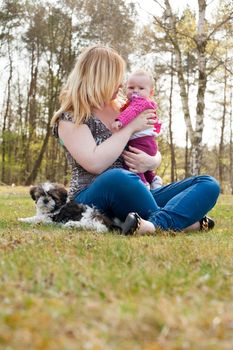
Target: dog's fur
x: 52, y: 206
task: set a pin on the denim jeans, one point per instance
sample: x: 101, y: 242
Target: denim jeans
x: 117, y: 192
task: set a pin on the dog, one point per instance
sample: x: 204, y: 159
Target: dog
x: 53, y: 206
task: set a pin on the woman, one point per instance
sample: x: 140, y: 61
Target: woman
x: 83, y: 125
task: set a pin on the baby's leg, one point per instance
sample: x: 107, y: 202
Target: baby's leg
x: 143, y: 178
x: 149, y: 176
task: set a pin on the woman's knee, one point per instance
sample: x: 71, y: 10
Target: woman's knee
x: 211, y: 185
x: 215, y: 186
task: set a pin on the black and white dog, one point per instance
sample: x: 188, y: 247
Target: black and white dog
x: 52, y: 206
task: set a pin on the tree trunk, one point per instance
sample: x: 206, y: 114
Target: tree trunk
x: 187, y: 153
x: 195, y: 136
x: 187, y: 160
x: 179, y: 69
x: 172, y: 147
x: 221, y: 143
x: 231, y: 141
x: 31, y: 110
x: 201, y: 41
x: 32, y: 176
x: 4, y: 177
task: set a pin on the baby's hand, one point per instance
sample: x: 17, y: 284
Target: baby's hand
x: 116, y: 126
x: 143, y: 121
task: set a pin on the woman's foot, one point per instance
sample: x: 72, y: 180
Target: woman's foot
x: 134, y: 224
x: 206, y: 223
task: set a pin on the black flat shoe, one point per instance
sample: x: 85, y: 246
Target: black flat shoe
x: 206, y: 224
x: 131, y: 224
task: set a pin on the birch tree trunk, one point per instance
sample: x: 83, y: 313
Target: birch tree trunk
x: 221, y: 143
x: 172, y: 34
x: 187, y: 151
x: 201, y: 42
x: 172, y: 146
x: 231, y: 141
x: 195, y: 135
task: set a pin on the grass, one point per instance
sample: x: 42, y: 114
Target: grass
x: 78, y: 290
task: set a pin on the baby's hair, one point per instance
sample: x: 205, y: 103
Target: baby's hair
x: 143, y: 72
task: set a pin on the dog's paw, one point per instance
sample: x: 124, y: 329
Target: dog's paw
x: 23, y: 219
x: 94, y: 225
x: 72, y: 224
x: 36, y: 220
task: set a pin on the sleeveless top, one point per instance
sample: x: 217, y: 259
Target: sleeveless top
x: 80, y: 178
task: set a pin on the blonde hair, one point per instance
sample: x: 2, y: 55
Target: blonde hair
x: 144, y: 73
x: 97, y: 75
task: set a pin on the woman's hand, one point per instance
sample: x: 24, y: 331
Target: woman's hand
x: 143, y: 121
x: 138, y: 161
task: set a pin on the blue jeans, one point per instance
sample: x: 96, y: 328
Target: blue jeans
x: 117, y: 192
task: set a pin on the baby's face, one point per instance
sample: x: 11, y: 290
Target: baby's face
x: 138, y: 84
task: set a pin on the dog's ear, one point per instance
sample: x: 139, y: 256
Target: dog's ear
x: 63, y: 193
x: 33, y: 192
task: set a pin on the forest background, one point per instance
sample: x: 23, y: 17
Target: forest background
x: 189, y: 52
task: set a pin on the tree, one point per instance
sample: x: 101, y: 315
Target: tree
x: 222, y: 77
x: 10, y: 15
x: 51, y: 34
x: 112, y: 23
x: 47, y: 40
x: 180, y: 38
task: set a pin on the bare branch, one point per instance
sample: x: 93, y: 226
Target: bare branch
x: 149, y: 13
x: 158, y: 3
x: 220, y: 63
x: 210, y: 2
x: 220, y: 25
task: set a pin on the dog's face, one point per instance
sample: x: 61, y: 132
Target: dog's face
x: 48, y: 196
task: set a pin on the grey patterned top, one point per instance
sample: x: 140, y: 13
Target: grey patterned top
x: 80, y: 178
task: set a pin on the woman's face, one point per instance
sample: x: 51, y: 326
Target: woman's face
x: 116, y: 92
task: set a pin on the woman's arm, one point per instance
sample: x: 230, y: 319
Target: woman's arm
x: 95, y: 159
x: 139, y: 161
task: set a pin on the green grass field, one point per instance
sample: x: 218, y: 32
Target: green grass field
x: 73, y: 290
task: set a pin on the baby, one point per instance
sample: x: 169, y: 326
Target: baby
x: 139, y: 90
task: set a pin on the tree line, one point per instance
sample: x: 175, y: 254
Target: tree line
x: 189, y: 53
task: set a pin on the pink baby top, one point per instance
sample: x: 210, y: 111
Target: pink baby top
x: 135, y: 106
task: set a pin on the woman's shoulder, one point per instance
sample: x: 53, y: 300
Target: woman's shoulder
x: 94, y: 125
x: 64, y: 116
x: 67, y: 116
